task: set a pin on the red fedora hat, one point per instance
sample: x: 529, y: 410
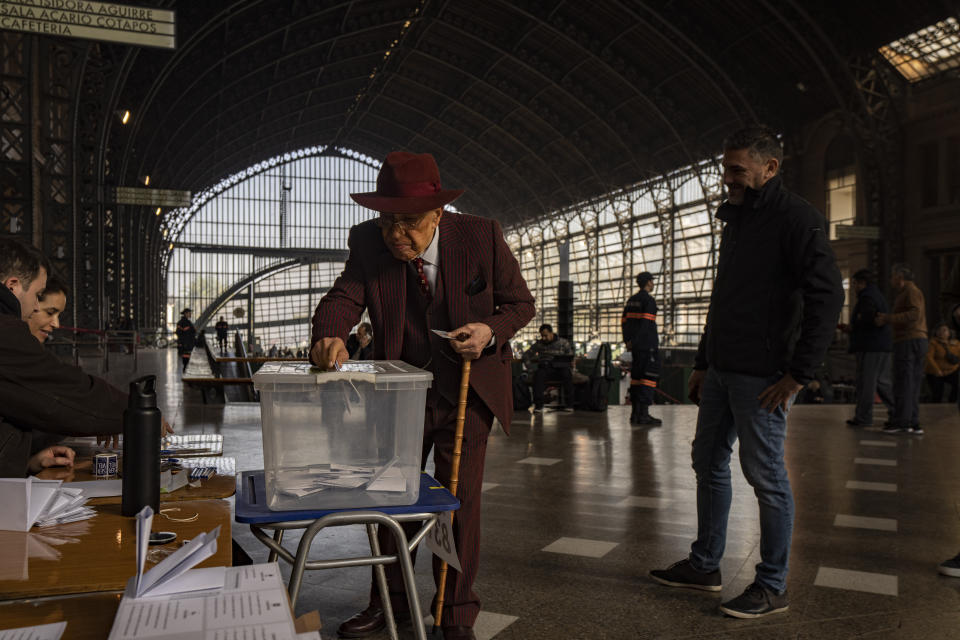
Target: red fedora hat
x: 407, y: 183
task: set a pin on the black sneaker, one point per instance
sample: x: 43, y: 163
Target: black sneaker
x: 892, y: 428
x: 916, y: 430
x: 950, y: 567
x: 682, y: 574
x: 755, y: 602
x: 650, y: 420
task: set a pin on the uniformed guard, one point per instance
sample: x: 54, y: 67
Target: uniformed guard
x: 639, y: 324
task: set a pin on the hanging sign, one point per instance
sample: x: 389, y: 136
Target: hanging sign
x: 104, y: 21
x: 845, y: 231
x: 152, y: 197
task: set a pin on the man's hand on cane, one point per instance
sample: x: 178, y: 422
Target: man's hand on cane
x: 471, y: 339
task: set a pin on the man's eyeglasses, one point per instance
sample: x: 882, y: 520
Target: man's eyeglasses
x: 387, y: 221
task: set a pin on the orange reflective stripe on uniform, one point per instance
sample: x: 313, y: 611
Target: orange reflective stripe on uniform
x: 644, y: 382
x: 635, y: 316
x: 647, y: 316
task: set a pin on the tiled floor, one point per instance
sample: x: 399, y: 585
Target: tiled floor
x: 593, y: 478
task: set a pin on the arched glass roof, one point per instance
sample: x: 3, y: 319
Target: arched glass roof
x: 266, y: 243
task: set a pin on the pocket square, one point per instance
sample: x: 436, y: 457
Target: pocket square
x: 477, y: 285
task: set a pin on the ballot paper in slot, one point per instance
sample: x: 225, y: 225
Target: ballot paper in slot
x: 175, y: 573
x: 31, y: 501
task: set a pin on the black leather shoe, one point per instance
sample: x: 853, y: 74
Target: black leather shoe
x: 458, y: 633
x: 370, y: 621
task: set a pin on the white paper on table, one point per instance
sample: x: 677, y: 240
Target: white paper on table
x: 251, y: 605
x: 15, y: 498
x: 253, y: 577
x: 170, y: 482
x: 23, y: 500
x: 41, y: 494
x: 175, y: 573
x: 267, y: 606
x: 173, y: 618
x: 98, y: 488
x: 40, y: 632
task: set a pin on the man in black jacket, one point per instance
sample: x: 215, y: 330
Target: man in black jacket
x: 639, y: 327
x: 872, y: 346
x: 772, y: 314
x: 37, y: 391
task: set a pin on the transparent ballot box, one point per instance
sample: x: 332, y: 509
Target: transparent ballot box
x: 341, y: 439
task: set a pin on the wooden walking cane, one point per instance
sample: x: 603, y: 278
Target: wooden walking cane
x: 454, y: 480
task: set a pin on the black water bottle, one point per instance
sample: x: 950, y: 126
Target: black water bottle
x: 141, y: 448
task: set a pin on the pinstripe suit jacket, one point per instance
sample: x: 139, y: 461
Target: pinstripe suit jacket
x: 472, y: 253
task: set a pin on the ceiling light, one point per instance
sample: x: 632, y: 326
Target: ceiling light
x: 123, y: 115
x: 158, y: 210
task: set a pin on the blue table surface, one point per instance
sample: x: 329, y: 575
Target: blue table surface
x: 251, y: 503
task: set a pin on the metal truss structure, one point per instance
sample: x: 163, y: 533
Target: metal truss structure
x: 598, y: 125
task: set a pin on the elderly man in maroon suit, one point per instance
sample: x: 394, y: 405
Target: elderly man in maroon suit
x: 417, y: 268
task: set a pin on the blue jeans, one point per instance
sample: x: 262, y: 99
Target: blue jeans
x: 908, y: 358
x: 729, y: 409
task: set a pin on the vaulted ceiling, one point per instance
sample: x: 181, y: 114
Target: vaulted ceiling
x: 531, y: 105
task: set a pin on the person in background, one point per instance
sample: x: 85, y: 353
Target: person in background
x: 46, y: 318
x: 909, y: 322
x: 639, y: 326
x: 773, y: 312
x: 871, y: 345
x: 360, y: 344
x: 222, y: 327
x: 186, y: 337
x: 554, y: 358
x: 942, y: 363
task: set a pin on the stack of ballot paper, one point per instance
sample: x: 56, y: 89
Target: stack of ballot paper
x: 175, y: 573
x: 31, y: 501
x: 314, y: 479
x: 250, y: 603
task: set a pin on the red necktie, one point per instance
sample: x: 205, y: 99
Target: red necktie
x: 422, y: 278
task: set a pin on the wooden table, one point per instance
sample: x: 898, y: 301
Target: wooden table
x: 89, y: 616
x: 98, y: 554
x: 219, y: 486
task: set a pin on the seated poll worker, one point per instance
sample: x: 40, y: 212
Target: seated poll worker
x: 414, y: 268
x: 37, y: 391
x: 42, y: 322
x: 52, y: 301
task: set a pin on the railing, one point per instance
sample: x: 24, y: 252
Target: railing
x: 93, y: 343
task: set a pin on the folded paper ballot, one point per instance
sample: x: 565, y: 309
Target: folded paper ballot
x: 31, y: 501
x: 175, y: 573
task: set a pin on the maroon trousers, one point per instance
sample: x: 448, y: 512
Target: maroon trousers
x: 461, y: 604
